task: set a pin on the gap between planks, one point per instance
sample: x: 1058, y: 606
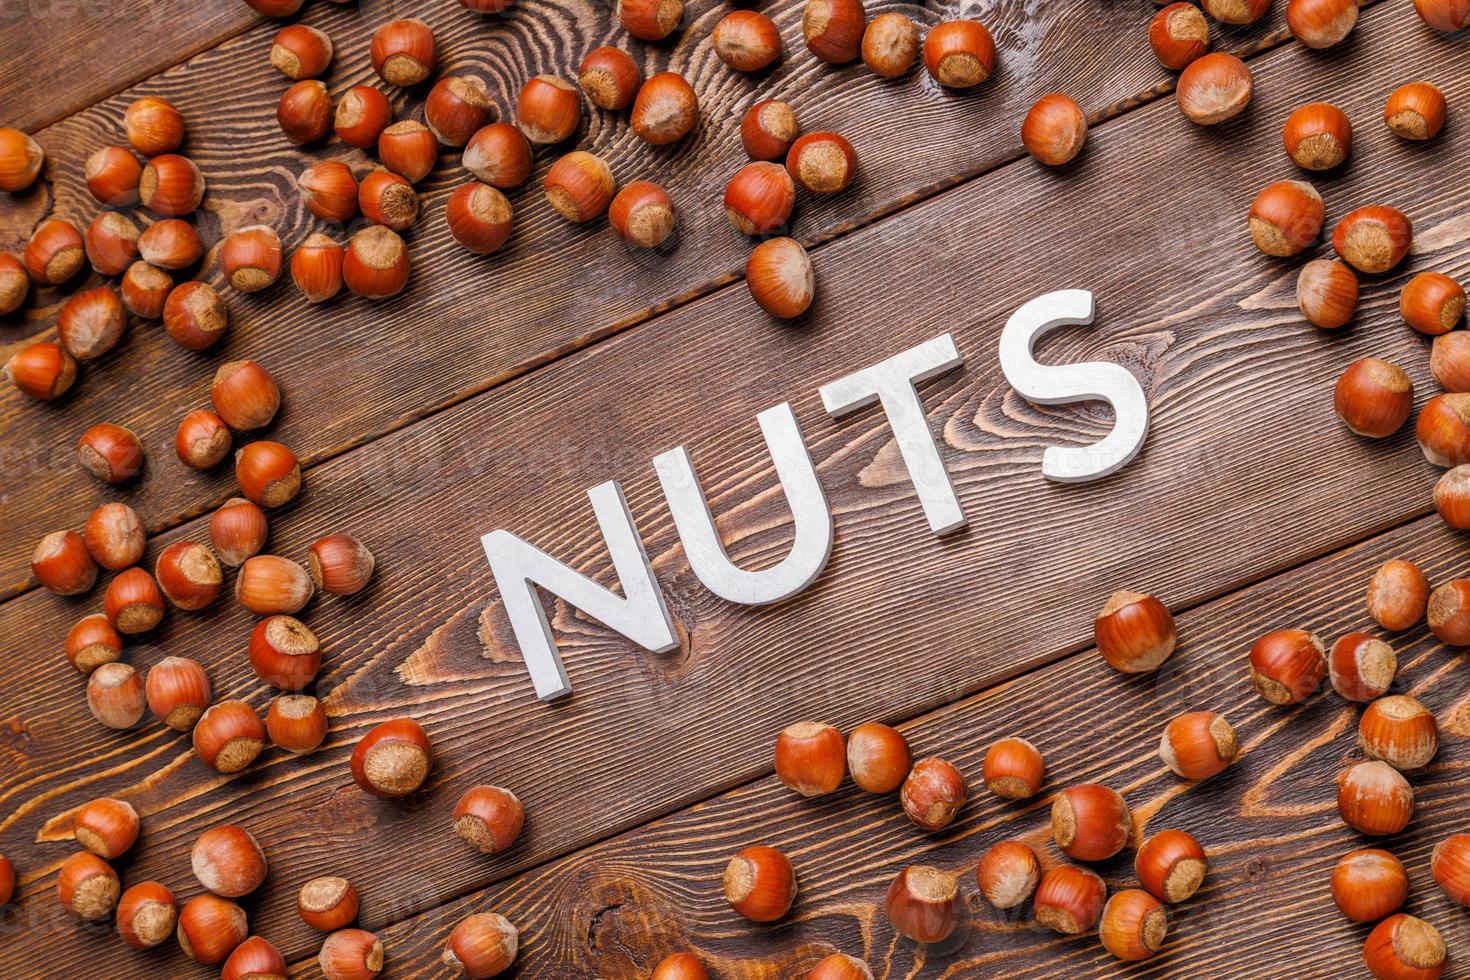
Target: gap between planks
x: 714, y: 285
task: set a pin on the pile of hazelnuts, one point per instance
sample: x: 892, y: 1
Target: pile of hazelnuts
x: 1135, y: 633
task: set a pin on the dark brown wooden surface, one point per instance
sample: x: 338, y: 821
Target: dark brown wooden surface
x: 1269, y: 824
x: 1241, y: 478
x: 467, y: 322
x: 61, y: 56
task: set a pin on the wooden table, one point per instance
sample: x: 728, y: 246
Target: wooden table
x: 496, y: 390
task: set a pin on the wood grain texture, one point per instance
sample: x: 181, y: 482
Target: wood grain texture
x: 467, y: 323
x: 1230, y: 488
x: 1269, y: 824
x: 61, y: 56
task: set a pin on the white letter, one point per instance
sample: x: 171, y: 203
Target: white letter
x: 518, y: 567
x: 1057, y: 384
x: 891, y: 382
x: 811, y: 518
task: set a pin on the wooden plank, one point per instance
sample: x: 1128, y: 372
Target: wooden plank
x: 476, y: 321
x: 1269, y: 824
x: 915, y: 622
x: 62, y: 57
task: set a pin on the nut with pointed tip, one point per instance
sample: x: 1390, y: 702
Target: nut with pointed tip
x: 1008, y: 874
x: 1054, y: 130
x: 114, y: 536
x: 768, y: 129
x: 1400, y: 731
x: 548, y: 109
x: 20, y: 160
x: 1369, y: 884
x: 250, y: 258
x: 479, y: 217
x: 1327, y: 292
x: 1318, y: 136
x: 62, y: 563
x: 170, y: 244
x: 388, y: 199
x: 91, y: 643
x: 890, y: 44
x: 1286, y: 218
x: 178, y: 692
x: 228, y: 736
x: 403, y: 52
x: 376, y: 264
x: 923, y: 904
x: 87, y: 886
x: 932, y: 794
x: 284, y: 652
x: 1416, y: 111
x: 238, y: 531
x: 1373, y: 239
x: 834, y: 29
x: 299, y: 51
x: 1179, y: 35
x: 780, y: 278
x: 878, y: 757
x: 1014, y: 769
x: 228, y: 860
x: 456, y: 108
x: 642, y: 214
x: 254, y: 959
x: 1069, y: 899
x: 408, y: 148
x: 133, y: 602
x: 1198, y: 745
x: 107, y: 827
x: 171, y: 186
x: 269, y: 585
x: 1171, y: 865
x: 351, y: 954
x: 115, y: 695
x: 1134, y: 632
x: 153, y: 126
x: 650, y: 20
x: 202, y: 440
x: 268, y: 475
x: 1375, y: 799
x: 1321, y: 24
x: 610, y: 77
x: 145, y: 290
x: 811, y: 758
x: 1432, y: 303
x: 54, y: 253
x: 111, y: 243
x: 484, y: 945
x: 760, y: 883
x: 1214, y: 88
x: 1443, y: 429
x: 1403, y: 947
x: 296, y: 722
x: 316, y: 267
x: 44, y: 371
x: 110, y: 452
x: 362, y: 115
x: 146, y: 915
x: 489, y: 818
x: 499, y: 155
x: 211, y: 928
x: 1361, y: 666
x: 665, y: 109
x: 330, y: 191
x: 1287, y: 666
x: 393, y: 759
x: 959, y: 53
x: 91, y: 323
x: 328, y: 903
x: 1090, y: 822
